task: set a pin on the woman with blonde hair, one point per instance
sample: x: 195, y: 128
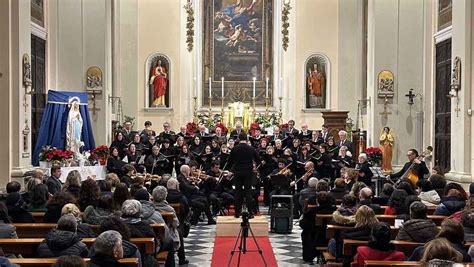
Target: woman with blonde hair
x: 83, y: 229
x: 439, y: 252
x: 73, y: 183
x: 365, y: 220
x: 350, y: 176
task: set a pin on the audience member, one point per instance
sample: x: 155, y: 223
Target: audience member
x: 147, y: 212
x: 104, y: 209
x: 89, y: 194
x: 396, y: 203
x: 7, y: 230
x: 16, y: 210
x: 121, y: 194
x: 55, y: 205
x: 83, y: 229
x: 428, y: 195
x: 387, y: 190
x: 419, y: 228
x: 339, y: 189
x: 439, y: 252
x: 39, y: 197
x: 69, y: 261
x: 73, y: 183
x: 365, y: 198
x: 453, y: 201
x: 345, y: 214
x: 108, y: 250
x: 438, y: 183
x: 53, y: 182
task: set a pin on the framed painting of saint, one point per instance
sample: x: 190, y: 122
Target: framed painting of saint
x: 158, y: 81
x: 316, y: 81
x: 237, y: 47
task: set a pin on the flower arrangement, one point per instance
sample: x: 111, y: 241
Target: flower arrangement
x: 267, y: 121
x: 374, y: 155
x: 209, y: 120
x: 191, y: 128
x: 100, y: 153
x: 49, y: 153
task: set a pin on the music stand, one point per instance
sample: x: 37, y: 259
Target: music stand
x: 378, y: 173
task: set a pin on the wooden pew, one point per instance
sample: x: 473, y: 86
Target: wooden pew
x: 350, y: 246
x: 28, y: 246
x: 39, y: 230
x: 47, y: 262
x: 38, y: 216
x: 333, y: 230
x: 390, y: 219
x: 167, y: 216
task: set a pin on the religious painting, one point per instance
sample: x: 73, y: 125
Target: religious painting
x: 317, y: 81
x: 385, y: 84
x: 237, y: 48
x: 157, y: 77
x: 94, y: 79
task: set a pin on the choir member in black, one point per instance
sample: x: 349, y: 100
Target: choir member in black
x: 278, y: 148
x: 303, y: 157
x: 205, y: 158
x: 222, y: 158
x: 323, y: 162
x: 343, y: 160
x: 234, y: 134
x: 291, y: 130
x: 324, y: 134
x: 197, y: 200
x: 332, y: 148
x: 221, y: 137
x: 290, y: 159
x: 263, y: 146
x: 166, y: 131
x: 149, y: 145
x: 156, y: 162
x: 343, y: 141
x: 114, y: 162
x: 148, y: 131
x: 179, y: 144
x: 196, y: 147
x: 202, y: 131
x: 283, y: 189
x: 120, y: 144
x: 215, y: 148
x: 242, y: 158
x: 277, y: 134
x: 305, y: 134
x: 295, y: 148
x: 168, y: 151
x: 230, y: 144
x: 127, y: 132
x: 269, y: 163
x: 132, y: 157
x: 363, y: 168
x: 213, y: 189
x: 419, y: 167
x: 182, y: 131
x: 314, y: 136
x: 138, y: 144
x: 184, y: 157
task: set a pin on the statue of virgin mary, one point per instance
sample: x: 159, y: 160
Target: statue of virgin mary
x: 74, y: 127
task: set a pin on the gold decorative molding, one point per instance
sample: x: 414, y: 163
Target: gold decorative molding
x: 285, y: 24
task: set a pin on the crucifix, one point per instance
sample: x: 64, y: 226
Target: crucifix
x: 385, y: 112
x: 92, y: 99
x: 411, y: 96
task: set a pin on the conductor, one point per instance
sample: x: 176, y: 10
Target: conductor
x: 241, y: 161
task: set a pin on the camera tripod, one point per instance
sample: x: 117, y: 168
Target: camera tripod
x: 243, y: 234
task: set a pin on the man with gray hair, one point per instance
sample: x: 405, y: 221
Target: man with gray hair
x: 108, y: 250
x: 308, y: 192
x: 343, y: 141
x: 365, y: 198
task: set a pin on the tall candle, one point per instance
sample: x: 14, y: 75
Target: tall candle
x: 222, y: 91
x: 210, y: 90
x: 266, y: 87
x: 254, y: 81
x: 195, y: 87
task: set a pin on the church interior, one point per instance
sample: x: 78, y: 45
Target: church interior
x: 317, y: 132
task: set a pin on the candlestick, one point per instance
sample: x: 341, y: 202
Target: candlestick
x: 280, y: 113
x: 254, y: 113
x: 222, y: 79
x: 210, y: 89
x: 195, y: 118
x: 254, y: 81
x: 266, y: 87
x: 266, y: 106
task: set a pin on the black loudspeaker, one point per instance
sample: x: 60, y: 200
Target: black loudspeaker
x: 281, y: 212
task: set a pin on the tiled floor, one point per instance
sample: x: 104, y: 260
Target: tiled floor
x: 199, y: 245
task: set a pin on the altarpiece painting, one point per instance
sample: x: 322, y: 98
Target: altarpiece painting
x: 157, y: 75
x: 237, y: 47
x: 317, y: 69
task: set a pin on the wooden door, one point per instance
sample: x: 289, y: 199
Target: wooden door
x: 443, y: 105
x: 38, y: 74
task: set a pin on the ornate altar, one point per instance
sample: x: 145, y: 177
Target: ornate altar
x: 238, y: 111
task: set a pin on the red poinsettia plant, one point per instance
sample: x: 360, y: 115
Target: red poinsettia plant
x: 284, y: 126
x: 49, y: 153
x: 191, y: 128
x: 374, y: 154
x: 254, y: 126
x: 100, y: 152
x: 222, y: 126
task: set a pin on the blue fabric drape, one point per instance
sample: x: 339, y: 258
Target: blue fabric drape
x: 54, y: 122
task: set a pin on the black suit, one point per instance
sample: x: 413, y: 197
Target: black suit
x: 346, y: 143
x: 324, y: 136
x: 241, y: 160
x: 235, y: 134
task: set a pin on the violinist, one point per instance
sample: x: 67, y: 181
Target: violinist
x: 197, y: 200
x: 269, y: 163
x: 363, y: 168
x: 214, y: 190
x: 283, y: 170
x: 415, y: 166
x: 129, y: 174
x: 302, y: 182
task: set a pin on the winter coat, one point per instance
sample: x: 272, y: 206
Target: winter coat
x: 307, y: 193
x: 53, y: 214
x: 74, y: 190
x: 164, y: 206
x: 375, y: 207
x: 58, y: 243
x: 129, y: 251
x: 148, y: 213
x: 468, y: 234
x: 7, y: 231
x: 417, y: 230
x: 102, y: 260
x: 358, y: 233
x: 337, y: 193
x: 20, y: 215
x: 175, y: 196
x: 430, y: 198
x: 84, y: 230
x: 94, y: 215
x: 450, y: 205
x: 366, y: 253
x: 343, y: 218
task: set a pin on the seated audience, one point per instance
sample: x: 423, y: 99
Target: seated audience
x: 69, y: 261
x: 89, y: 194
x: 63, y: 240
x: 418, y: 228
x: 30, y: 186
x: 365, y: 198
x: 438, y: 183
x: 73, y: 183
x: 53, y: 182
x: 7, y: 230
x: 113, y: 179
x: 339, y: 189
x: 39, y: 197
x: 105, y: 187
x: 121, y: 194
x: 453, y: 201
x: 439, y: 252
x: 104, y: 209
x: 407, y: 185
x: 428, y: 195
x: 55, y: 205
x: 16, y: 210
x: 129, y: 249
x: 83, y: 229
x: 382, y: 199
x: 378, y: 248
x: 147, y: 212
x: 356, y: 189
x: 365, y: 221
x: 308, y: 192
x: 396, y: 203
x: 108, y: 250
x: 345, y: 214
x: 454, y: 233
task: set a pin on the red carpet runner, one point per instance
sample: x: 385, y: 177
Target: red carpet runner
x: 223, y: 246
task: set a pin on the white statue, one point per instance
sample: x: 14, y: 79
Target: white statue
x: 74, y: 127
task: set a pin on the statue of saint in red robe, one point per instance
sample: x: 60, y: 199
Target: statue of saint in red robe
x: 159, y: 80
